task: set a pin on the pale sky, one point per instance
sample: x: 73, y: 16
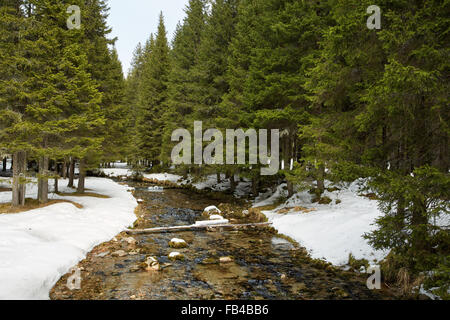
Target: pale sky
x: 132, y: 21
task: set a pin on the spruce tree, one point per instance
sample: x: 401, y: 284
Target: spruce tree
x: 15, y: 43
x: 181, y: 101
x: 153, y: 96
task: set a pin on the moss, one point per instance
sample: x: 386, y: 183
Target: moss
x: 337, y: 201
x: 287, y: 238
x: 255, y: 215
x: 325, y: 200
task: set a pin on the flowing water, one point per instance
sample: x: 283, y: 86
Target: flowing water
x: 263, y: 265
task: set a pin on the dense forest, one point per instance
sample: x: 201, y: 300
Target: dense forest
x: 350, y: 102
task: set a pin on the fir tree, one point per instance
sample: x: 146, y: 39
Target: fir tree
x: 153, y: 96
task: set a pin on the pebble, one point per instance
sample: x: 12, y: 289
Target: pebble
x: 119, y: 253
x: 102, y: 254
x: 130, y: 240
x: 225, y: 259
x: 152, y: 264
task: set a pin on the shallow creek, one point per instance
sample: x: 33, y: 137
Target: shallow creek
x: 263, y: 266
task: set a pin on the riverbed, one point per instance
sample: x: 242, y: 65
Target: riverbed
x: 256, y: 263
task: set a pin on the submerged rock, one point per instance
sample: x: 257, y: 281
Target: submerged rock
x: 209, y: 261
x: 102, y: 254
x: 130, y: 240
x: 152, y: 264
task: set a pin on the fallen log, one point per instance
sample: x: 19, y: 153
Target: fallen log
x: 194, y: 227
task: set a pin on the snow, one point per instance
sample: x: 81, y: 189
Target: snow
x: 332, y: 231
x: 215, y: 217
x: 174, y: 254
x: 116, y: 172
x: 211, y: 222
x: 176, y: 240
x: 163, y: 177
x: 155, y: 189
x: 39, y: 246
x: 269, y: 198
x: 429, y: 293
x: 8, y: 164
x: 243, y: 187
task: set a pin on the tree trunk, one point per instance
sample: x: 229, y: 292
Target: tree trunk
x: 232, y: 183
x: 321, y: 178
x: 19, y: 186
x: 71, y: 172
x: 290, y: 187
x: 56, y: 185
x: 255, y: 183
x: 43, y: 180
x: 420, y: 223
x: 81, y: 176
x: 64, y: 169
x: 4, y: 163
x: 218, y: 177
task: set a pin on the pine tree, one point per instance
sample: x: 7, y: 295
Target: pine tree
x: 15, y: 42
x: 131, y: 100
x: 183, y: 57
x: 106, y: 70
x: 153, y: 96
x: 64, y: 104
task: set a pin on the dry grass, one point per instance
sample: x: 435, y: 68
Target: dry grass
x: 295, y: 209
x: 371, y: 196
x: 86, y: 194
x: 403, y: 281
x: 269, y: 207
x: 30, y: 204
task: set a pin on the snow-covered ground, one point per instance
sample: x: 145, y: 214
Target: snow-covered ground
x: 8, y: 164
x: 332, y: 231
x: 39, y: 246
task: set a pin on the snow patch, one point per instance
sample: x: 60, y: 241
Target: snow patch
x: 39, y: 246
x: 331, y: 232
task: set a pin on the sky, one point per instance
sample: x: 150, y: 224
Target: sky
x: 132, y: 21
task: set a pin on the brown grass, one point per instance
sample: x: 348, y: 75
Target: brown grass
x: 296, y: 209
x: 371, y: 196
x: 86, y: 194
x: 268, y: 207
x: 31, y: 204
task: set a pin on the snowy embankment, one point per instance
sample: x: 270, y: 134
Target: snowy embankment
x: 329, y: 231
x: 39, y: 246
x: 209, y: 182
